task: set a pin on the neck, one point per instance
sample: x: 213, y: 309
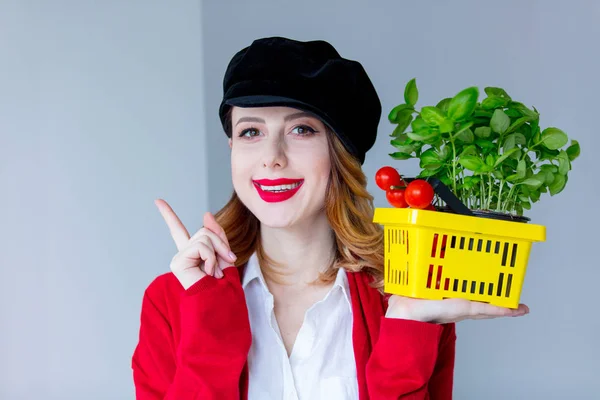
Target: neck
x: 300, y: 252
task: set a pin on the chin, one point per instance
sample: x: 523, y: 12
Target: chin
x: 274, y: 215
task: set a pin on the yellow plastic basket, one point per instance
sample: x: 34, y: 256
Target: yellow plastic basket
x: 437, y: 255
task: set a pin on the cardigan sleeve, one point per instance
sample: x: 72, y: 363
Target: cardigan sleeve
x: 207, y: 361
x: 412, y: 360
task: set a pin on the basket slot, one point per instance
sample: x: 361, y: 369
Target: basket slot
x: 443, y: 249
x: 471, y: 243
x: 447, y: 284
x: 473, y: 286
x: 500, y: 282
x: 464, y: 286
x: 491, y: 289
x: 508, y: 285
x: 453, y: 242
x: 481, y: 287
x: 462, y: 243
x: 434, y: 245
x: 429, y: 276
x: 505, y: 254
x: 497, y: 249
x: 488, y: 246
x: 439, y: 276
x: 513, y: 259
x: 455, y: 287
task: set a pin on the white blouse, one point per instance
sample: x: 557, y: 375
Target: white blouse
x: 321, y: 364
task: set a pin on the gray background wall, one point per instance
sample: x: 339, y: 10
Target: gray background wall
x: 106, y: 106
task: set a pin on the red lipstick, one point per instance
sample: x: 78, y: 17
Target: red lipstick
x: 275, y: 197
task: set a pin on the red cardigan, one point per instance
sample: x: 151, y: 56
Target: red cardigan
x: 193, y: 344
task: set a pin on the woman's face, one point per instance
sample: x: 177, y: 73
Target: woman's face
x: 280, y: 163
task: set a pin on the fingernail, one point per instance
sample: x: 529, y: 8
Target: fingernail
x: 232, y: 256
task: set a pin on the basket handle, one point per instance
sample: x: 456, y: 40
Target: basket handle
x: 446, y: 194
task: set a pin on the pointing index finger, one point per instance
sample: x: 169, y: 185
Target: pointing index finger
x: 178, y: 231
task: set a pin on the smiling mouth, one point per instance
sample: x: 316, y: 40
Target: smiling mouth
x: 278, y: 188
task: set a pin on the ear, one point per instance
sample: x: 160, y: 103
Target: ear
x: 230, y: 142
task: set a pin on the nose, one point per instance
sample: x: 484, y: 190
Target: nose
x: 274, y: 154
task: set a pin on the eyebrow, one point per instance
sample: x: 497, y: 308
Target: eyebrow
x: 286, y: 119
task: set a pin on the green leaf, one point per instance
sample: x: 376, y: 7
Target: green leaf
x: 447, y: 125
x: 513, y: 127
x: 398, y: 132
x: 533, y: 183
x: 524, y: 110
x: 521, y: 169
x: 485, y: 145
x: 534, y: 195
x: 573, y: 150
x: 470, y: 150
x: 546, y: 177
x: 483, y: 132
x: 462, y: 105
x: 472, y: 163
x: 509, y: 143
x: 411, y: 93
x: 396, y: 115
x: 432, y: 116
x: 511, y: 112
x: 464, y: 127
x: 404, y: 120
x: 443, y: 104
x: 404, y: 147
x: 554, y: 138
x: 418, y: 125
x: 558, y: 185
x: 422, y: 137
x: 500, y: 121
x: 465, y: 136
x: 490, y: 160
x: 445, y: 153
x: 564, y: 165
x: 430, y: 157
x: 497, y: 173
x: 521, y: 172
x: 505, y: 156
x: 492, y: 102
x: 426, y: 173
x: 400, y: 156
x: 526, y: 205
x: 496, y: 91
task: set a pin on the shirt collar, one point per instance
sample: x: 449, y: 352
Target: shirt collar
x: 253, y: 271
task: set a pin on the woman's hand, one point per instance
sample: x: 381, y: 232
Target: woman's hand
x: 205, y: 253
x: 448, y: 310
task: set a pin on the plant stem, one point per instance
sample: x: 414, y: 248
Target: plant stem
x: 453, y: 164
x: 489, y: 203
x: 500, y: 196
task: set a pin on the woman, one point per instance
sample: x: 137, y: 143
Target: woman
x: 302, y: 314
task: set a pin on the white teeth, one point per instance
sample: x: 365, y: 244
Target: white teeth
x: 279, y: 188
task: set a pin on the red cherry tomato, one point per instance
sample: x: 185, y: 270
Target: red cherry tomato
x: 396, y: 198
x: 388, y: 176
x: 419, y: 194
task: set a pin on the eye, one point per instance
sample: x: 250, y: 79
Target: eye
x: 303, y: 130
x: 249, y: 132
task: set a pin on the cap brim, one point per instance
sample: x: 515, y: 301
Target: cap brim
x: 271, y: 101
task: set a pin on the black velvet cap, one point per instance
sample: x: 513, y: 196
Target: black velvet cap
x: 310, y: 76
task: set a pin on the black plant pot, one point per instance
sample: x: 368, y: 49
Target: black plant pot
x: 455, y: 206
